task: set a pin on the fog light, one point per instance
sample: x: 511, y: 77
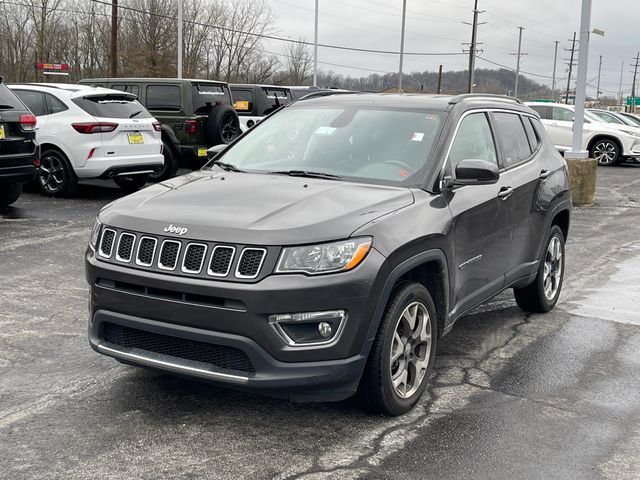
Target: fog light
x: 324, y: 329
x: 309, y: 328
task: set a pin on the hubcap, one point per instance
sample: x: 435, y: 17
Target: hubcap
x: 410, y: 350
x: 605, y: 153
x: 51, y: 174
x: 552, y: 268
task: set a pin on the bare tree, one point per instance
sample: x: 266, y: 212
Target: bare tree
x: 298, y: 63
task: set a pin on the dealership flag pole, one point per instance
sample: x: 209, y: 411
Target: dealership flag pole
x: 404, y: 18
x: 315, y: 48
x: 180, y: 38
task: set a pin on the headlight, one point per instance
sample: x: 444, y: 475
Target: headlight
x: 633, y: 133
x: 95, y: 233
x: 324, y: 258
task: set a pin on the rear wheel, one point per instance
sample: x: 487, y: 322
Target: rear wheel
x: 402, y: 355
x: 55, y: 175
x: 131, y: 183
x: 542, y: 295
x: 9, y: 193
x: 606, y: 152
x: 170, y: 167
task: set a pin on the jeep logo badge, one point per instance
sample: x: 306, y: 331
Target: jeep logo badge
x: 173, y: 229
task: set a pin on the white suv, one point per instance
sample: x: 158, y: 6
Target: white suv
x: 607, y: 143
x: 88, y: 132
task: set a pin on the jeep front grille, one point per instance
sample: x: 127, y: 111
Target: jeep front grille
x: 184, y: 257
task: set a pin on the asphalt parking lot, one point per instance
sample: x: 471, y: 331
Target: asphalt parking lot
x: 512, y: 396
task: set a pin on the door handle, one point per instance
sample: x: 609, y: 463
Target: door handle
x: 544, y: 174
x: 505, y: 192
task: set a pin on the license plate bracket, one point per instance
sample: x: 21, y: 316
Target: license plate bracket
x: 2, y: 135
x: 136, y: 138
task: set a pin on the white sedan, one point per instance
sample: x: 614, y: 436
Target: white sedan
x: 88, y: 132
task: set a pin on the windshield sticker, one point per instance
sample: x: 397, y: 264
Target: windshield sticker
x: 325, y: 130
x: 431, y: 117
x: 417, y: 137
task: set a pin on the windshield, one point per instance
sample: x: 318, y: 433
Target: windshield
x: 355, y: 143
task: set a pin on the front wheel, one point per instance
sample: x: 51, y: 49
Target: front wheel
x: 542, y: 295
x: 606, y: 152
x: 403, y: 352
x: 9, y: 193
x: 131, y: 183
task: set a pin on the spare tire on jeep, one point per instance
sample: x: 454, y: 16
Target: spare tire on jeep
x: 223, y: 125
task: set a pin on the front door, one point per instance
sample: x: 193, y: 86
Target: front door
x: 482, y: 219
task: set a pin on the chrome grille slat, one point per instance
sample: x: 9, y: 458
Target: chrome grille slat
x: 221, y: 260
x: 194, y: 255
x: 126, y: 243
x: 169, y: 253
x: 146, y: 251
x: 106, y: 242
x: 250, y: 263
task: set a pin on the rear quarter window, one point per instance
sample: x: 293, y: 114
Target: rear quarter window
x: 513, y: 138
x: 543, y: 110
x: 112, y: 106
x: 33, y: 100
x: 9, y: 100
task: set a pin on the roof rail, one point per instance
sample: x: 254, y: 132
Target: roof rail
x: 493, y: 96
x: 323, y: 93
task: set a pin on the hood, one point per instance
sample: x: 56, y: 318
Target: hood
x: 255, y: 209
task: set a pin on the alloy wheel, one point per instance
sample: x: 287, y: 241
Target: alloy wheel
x: 552, y: 268
x: 605, y: 153
x: 410, y: 350
x: 228, y: 132
x: 51, y: 174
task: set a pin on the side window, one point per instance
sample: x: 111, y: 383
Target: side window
x: 513, y: 138
x: 127, y: 88
x: 164, y: 97
x: 543, y: 110
x: 54, y: 105
x: 534, y: 139
x: 473, y: 141
x: 562, y: 114
x: 33, y: 100
x: 242, y: 101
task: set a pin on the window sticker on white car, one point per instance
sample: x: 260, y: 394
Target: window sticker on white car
x: 325, y: 130
x: 417, y: 137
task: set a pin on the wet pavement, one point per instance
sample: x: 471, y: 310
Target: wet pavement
x: 513, y: 395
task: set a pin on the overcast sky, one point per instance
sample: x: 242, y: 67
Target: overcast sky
x: 436, y: 26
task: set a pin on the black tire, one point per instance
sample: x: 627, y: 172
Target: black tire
x: 376, y: 390
x: 56, y: 177
x: 223, y: 124
x: 9, y: 193
x: 131, y: 183
x: 533, y: 298
x: 606, y: 151
x: 170, y: 167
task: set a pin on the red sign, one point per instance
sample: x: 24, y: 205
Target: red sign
x: 53, y: 67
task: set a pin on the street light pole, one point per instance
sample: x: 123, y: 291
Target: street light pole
x: 315, y: 46
x: 555, y: 62
x: 404, y: 18
x: 180, y: 38
x: 598, y: 87
x: 519, y: 54
x: 472, y: 47
x: 581, y: 82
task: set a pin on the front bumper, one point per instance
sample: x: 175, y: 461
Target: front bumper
x: 327, y: 372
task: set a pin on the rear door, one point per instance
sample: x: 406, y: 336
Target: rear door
x: 482, y: 218
x: 524, y: 161
x: 562, y: 125
x: 133, y: 133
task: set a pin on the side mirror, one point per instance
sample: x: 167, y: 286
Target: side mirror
x: 473, y: 172
x: 215, y: 150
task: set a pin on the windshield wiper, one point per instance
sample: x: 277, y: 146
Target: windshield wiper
x: 135, y: 114
x: 228, y: 167
x: 308, y: 173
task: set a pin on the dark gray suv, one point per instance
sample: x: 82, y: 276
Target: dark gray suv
x: 326, y: 252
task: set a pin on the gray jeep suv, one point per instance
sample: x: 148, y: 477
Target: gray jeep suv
x: 327, y: 252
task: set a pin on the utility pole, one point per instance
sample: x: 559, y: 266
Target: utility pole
x: 180, y: 38
x: 555, y: 62
x: 620, y: 87
x: 571, y: 64
x: 439, y: 89
x: 519, y: 54
x: 473, y: 46
x: 315, y: 46
x: 114, y: 38
x: 598, y: 86
x: 633, y: 85
x: 404, y: 18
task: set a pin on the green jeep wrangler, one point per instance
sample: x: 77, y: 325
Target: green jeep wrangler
x: 195, y: 115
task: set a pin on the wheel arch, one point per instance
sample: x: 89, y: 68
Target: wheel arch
x: 52, y: 146
x: 169, y: 137
x: 604, y: 136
